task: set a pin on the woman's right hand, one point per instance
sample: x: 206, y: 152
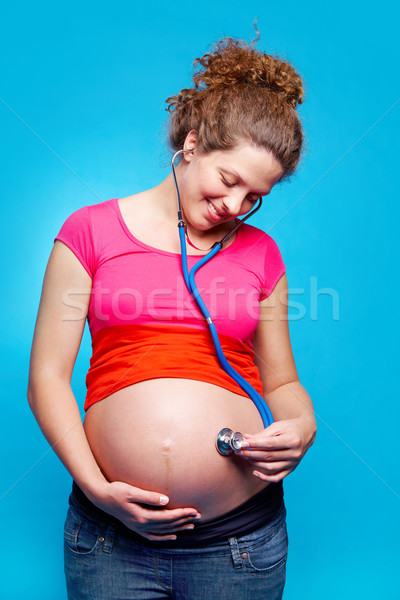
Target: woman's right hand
x: 141, y: 511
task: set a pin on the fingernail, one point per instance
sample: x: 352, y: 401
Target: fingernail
x: 189, y: 527
x: 164, y: 499
x: 244, y: 444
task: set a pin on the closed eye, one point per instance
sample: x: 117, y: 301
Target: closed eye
x: 228, y: 183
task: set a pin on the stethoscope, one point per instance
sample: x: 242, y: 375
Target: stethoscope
x: 227, y: 441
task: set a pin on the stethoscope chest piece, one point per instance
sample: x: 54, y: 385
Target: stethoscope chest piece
x: 227, y: 441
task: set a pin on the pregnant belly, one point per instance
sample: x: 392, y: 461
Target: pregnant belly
x: 159, y: 435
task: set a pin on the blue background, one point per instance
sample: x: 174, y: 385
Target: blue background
x: 82, y: 120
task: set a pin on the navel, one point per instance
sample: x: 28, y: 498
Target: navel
x: 168, y: 446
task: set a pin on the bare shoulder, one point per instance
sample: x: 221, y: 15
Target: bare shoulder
x: 66, y: 289
x: 135, y: 202
x: 64, y: 268
x: 61, y: 316
x: 132, y: 199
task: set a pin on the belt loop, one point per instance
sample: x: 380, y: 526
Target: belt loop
x: 109, y: 540
x: 237, y: 559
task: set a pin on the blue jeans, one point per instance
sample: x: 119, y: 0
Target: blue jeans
x: 102, y: 562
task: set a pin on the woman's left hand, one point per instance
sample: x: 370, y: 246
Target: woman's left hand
x: 277, y: 450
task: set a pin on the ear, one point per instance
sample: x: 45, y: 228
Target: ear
x: 190, y: 143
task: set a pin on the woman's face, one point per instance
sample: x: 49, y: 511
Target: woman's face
x: 218, y: 186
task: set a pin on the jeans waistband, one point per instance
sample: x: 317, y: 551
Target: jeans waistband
x: 259, y: 510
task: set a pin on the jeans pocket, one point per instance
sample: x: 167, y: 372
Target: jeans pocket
x: 268, y: 556
x: 81, y: 537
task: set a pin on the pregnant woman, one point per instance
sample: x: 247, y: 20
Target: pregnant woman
x: 155, y: 510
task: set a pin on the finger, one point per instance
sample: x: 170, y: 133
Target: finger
x: 170, y: 531
x: 272, y: 468
x: 171, y: 516
x: 165, y: 527
x: 273, y: 438
x: 281, y: 442
x: 272, y: 478
x: 160, y: 537
x: 157, y: 538
x: 160, y: 530
x: 145, y: 497
x: 178, y: 523
x: 276, y: 428
x: 267, y: 455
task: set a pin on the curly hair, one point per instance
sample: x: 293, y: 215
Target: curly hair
x: 241, y: 94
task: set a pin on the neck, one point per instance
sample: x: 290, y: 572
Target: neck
x: 165, y: 197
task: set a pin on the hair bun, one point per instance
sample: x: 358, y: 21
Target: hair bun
x: 233, y: 62
x: 240, y: 94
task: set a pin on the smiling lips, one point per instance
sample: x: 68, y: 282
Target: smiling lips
x: 214, y: 210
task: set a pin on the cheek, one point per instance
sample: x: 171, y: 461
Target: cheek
x: 247, y: 207
x: 201, y: 186
x: 204, y: 191
x: 213, y: 191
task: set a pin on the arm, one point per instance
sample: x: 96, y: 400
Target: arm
x: 277, y: 450
x: 57, y: 337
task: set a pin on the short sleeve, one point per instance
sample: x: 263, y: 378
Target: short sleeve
x: 76, y: 233
x: 274, y: 267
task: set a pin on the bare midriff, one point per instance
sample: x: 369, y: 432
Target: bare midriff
x: 159, y: 435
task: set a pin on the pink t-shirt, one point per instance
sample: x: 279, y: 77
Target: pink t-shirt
x: 136, y: 284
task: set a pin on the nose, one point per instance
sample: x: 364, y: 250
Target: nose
x: 233, y: 203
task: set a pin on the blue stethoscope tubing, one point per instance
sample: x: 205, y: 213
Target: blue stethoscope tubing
x: 190, y: 282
